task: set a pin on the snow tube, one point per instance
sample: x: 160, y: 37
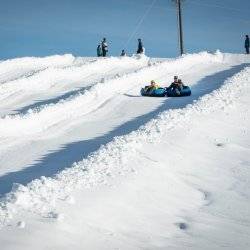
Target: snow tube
x: 159, y: 92
x: 186, y: 91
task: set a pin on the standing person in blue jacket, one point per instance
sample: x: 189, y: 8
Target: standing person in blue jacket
x: 104, y: 47
x: 99, y: 50
x: 140, y: 47
x: 247, y: 44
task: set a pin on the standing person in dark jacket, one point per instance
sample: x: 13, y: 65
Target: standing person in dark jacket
x: 140, y: 47
x: 123, y: 53
x: 104, y: 47
x: 247, y: 44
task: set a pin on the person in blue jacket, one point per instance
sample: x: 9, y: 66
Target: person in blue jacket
x: 99, y: 50
x: 247, y: 44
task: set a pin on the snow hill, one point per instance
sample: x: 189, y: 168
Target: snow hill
x: 87, y: 163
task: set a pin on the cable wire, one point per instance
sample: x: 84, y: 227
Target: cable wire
x: 215, y: 5
x: 139, y: 23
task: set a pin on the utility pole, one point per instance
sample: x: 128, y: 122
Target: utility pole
x: 179, y: 17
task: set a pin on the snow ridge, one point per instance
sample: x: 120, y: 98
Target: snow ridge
x: 13, y: 69
x: 44, y: 78
x: 41, y: 195
x: 36, y: 121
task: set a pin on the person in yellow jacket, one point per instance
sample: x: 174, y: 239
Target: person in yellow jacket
x: 152, y: 86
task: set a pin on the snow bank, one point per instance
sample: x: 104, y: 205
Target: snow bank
x: 38, y: 120
x: 75, y: 70
x: 22, y: 67
x: 41, y: 195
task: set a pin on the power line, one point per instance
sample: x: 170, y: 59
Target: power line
x: 139, y: 23
x: 215, y: 6
x: 222, y: 7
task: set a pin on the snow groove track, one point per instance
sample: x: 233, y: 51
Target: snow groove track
x: 13, y: 69
x: 130, y: 172
x: 52, y: 115
x: 50, y: 76
x: 41, y: 196
x: 62, y: 78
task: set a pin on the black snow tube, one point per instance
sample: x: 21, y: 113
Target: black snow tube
x: 186, y: 91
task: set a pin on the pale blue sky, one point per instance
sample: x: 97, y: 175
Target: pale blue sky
x: 46, y: 27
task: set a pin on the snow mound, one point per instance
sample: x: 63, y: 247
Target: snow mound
x: 22, y: 67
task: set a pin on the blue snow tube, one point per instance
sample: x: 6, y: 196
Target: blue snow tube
x: 159, y: 92
x: 186, y: 91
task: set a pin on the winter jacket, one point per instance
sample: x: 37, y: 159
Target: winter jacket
x: 104, y: 46
x: 247, y: 42
x: 123, y: 53
x: 140, y: 48
x: 173, y: 85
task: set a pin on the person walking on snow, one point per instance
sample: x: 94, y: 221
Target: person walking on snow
x: 99, y: 50
x: 104, y: 47
x: 247, y: 44
x: 140, y: 47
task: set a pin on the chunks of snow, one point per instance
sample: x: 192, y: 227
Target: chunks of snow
x: 21, y: 224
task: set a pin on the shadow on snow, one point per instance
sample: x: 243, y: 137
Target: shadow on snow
x: 40, y: 104
x: 58, y: 160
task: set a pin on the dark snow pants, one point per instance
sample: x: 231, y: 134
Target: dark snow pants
x: 104, y: 53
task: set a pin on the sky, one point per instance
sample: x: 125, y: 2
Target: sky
x: 49, y: 27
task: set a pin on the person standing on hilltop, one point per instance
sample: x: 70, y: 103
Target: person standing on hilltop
x: 123, y: 53
x: 104, y: 47
x: 99, y: 50
x: 247, y: 44
x: 140, y: 47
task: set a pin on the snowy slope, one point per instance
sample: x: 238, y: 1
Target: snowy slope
x: 171, y: 174
x: 57, y: 79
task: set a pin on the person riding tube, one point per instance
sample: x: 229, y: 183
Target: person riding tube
x: 178, y: 89
x: 152, y: 86
x: 175, y: 86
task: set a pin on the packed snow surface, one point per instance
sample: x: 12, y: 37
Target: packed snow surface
x: 87, y: 163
